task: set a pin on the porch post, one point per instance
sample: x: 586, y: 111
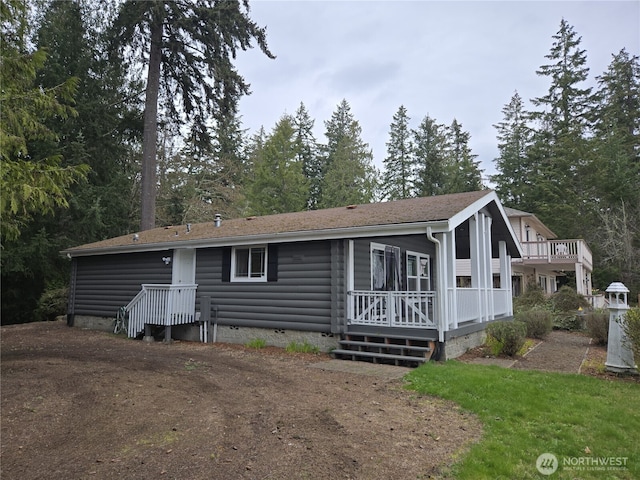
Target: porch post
x: 488, y: 291
x: 449, y: 258
x: 505, y: 274
x: 476, y: 244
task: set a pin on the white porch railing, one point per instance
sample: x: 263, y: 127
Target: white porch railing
x: 161, y: 305
x: 501, y: 302
x: 467, y: 304
x: 557, y: 251
x: 391, y: 309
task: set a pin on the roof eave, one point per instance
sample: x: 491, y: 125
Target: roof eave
x: 299, y: 236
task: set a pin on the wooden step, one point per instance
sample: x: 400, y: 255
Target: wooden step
x: 375, y: 355
x: 399, y: 346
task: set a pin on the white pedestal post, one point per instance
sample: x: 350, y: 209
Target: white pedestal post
x: 619, y: 354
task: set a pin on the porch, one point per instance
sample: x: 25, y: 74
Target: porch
x: 160, y: 304
x: 402, y: 309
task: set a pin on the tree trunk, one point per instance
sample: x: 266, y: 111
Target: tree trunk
x: 150, y: 135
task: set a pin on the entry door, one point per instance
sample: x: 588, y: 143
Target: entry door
x: 184, y: 266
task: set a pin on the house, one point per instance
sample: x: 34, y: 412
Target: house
x: 374, y: 281
x: 546, y: 259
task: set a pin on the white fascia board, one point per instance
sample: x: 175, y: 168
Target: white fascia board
x: 478, y: 205
x: 460, y: 217
x: 418, y: 228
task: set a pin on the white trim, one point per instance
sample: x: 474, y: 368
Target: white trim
x: 249, y: 279
x: 418, y: 256
x: 416, y: 228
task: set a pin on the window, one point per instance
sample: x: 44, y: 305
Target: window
x: 249, y: 264
x: 418, y: 272
x: 385, y: 267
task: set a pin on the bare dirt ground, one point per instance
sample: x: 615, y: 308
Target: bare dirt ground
x: 82, y: 404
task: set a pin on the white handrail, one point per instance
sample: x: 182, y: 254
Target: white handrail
x: 159, y: 304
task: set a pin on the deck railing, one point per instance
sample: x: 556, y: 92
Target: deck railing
x: 161, y: 305
x: 392, y: 309
x: 557, y: 251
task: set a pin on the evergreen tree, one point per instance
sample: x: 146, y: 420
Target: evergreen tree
x: 30, y: 182
x: 348, y: 176
x: 463, y: 171
x: 279, y: 185
x: 614, y: 173
x: 559, y: 154
x: 190, y: 48
x: 398, y: 178
x: 430, y: 153
x: 308, y: 154
x: 514, y: 138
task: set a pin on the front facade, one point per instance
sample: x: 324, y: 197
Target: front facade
x: 376, y: 269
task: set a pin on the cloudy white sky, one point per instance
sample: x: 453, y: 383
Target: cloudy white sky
x: 453, y: 59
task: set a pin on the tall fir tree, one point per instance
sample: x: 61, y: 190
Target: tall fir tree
x: 430, y: 157
x: 614, y: 172
x: 192, y: 61
x: 513, y: 179
x: 398, y: 177
x: 559, y: 153
x: 279, y: 185
x: 348, y: 176
x: 308, y: 154
x: 463, y: 171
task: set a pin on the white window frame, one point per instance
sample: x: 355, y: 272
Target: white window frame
x: 249, y: 278
x: 419, y: 256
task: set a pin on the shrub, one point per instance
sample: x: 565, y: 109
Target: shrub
x: 506, y: 337
x: 631, y: 327
x: 568, y: 300
x: 52, y: 304
x: 565, y: 303
x: 538, y: 321
x: 532, y: 297
x: 597, y: 323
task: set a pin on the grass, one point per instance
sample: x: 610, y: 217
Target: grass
x: 304, y: 347
x: 256, y: 343
x: 528, y: 413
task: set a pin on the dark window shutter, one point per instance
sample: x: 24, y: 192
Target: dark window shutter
x: 226, y: 264
x: 272, y: 263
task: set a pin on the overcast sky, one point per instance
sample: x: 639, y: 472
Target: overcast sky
x: 453, y: 59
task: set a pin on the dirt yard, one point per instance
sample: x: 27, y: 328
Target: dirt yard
x: 83, y: 404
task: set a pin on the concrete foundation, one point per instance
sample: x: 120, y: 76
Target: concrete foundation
x: 104, y: 324
x: 456, y: 346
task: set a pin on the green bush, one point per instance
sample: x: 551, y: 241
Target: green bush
x: 631, y: 327
x: 52, y: 304
x: 567, y: 305
x: 597, y: 323
x: 506, y: 337
x: 568, y: 300
x: 538, y: 321
x: 532, y: 297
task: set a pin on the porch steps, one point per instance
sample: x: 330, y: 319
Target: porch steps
x: 388, y: 349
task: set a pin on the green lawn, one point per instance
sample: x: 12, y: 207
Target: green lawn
x: 581, y: 420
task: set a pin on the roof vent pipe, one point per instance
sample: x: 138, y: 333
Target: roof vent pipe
x: 217, y: 221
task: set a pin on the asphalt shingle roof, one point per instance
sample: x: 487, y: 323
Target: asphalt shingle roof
x: 414, y: 210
